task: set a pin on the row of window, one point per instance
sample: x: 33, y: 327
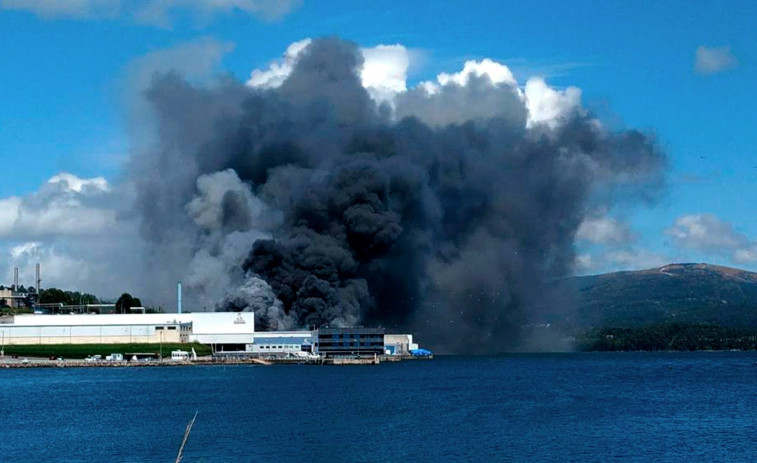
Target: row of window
x: 286, y: 346
x: 351, y: 344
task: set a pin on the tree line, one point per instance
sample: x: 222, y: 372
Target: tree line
x: 669, y: 337
x: 55, y: 295
x: 60, y: 296
x: 21, y: 289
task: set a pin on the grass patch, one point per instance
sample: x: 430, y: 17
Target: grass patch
x: 80, y: 351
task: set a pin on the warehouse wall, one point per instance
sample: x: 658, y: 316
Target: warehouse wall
x: 92, y: 334
x: 206, y: 327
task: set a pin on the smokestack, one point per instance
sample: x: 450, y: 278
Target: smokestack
x: 15, y: 278
x: 39, y: 280
x: 178, y: 296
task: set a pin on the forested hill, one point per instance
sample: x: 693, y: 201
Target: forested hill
x: 675, y: 293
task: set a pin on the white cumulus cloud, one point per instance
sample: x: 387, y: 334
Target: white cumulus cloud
x: 76, y: 228
x: 708, y: 234
x: 59, y: 268
x: 496, y: 72
x: 605, y: 230
x: 548, y: 105
x: 618, y: 260
x: 24, y: 249
x: 152, y: 12
x: 384, y: 72
x: 280, y: 69
x: 9, y: 208
x: 705, y: 232
x: 160, y: 12
x: 65, y: 205
x: 711, y: 60
x: 70, y: 182
x: 481, y: 89
x: 746, y: 255
x: 80, y: 9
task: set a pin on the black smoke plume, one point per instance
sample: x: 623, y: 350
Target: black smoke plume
x: 313, y: 206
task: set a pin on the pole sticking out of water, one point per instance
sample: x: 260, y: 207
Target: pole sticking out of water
x: 186, y: 436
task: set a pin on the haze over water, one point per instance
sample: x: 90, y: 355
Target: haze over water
x: 637, y: 407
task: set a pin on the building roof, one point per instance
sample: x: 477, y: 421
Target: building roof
x: 203, y: 322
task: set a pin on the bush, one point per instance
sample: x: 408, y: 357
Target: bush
x: 80, y: 351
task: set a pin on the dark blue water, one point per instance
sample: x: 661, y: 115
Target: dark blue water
x: 629, y: 407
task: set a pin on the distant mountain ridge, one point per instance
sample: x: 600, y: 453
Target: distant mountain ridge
x: 681, y: 293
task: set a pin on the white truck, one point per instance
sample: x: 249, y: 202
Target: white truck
x: 179, y: 356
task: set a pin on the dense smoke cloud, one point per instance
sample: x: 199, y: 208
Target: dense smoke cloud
x: 444, y: 212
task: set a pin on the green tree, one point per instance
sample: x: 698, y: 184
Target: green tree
x: 52, y: 296
x: 125, y: 302
x: 55, y: 296
x: 30, y: 300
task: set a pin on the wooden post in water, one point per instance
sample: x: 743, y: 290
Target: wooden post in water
x: 186, y: 436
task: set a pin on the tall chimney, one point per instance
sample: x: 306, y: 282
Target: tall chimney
x: 178, y: 297
x: 39, y: 280
x: 15, y: 278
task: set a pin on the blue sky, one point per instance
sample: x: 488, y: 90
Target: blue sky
x: 681, y: 70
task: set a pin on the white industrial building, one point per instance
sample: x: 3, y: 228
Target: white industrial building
x: 282, y: 343
x: 289, y: 343
x: 399, y: 344
x: 12, y: 334
x: 224, y: 330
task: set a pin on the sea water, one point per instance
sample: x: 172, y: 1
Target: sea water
x: 589, y: 407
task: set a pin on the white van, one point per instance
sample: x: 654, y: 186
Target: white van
x: 179, y: 356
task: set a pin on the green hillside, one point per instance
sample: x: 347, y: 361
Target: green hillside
x: 675, y: 293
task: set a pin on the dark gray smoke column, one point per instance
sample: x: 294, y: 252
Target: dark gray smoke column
x: 349, y: 215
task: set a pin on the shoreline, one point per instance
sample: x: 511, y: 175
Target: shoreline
x: 42, y: 363
x: 46, y: 363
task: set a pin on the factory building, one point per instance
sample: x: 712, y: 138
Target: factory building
x: 225, y: 331
x: 95, y: 334
x: 12, y: 298
x: 399, y: 344
x: 282, y: 343
x: 338, y: 342
x: 330, y: 342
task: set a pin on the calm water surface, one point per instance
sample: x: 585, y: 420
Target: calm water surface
x: 629, y: 407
